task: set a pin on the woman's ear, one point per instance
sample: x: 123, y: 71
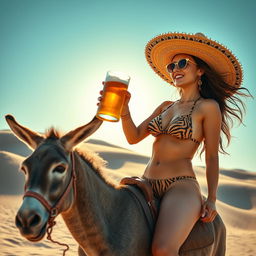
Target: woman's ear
x: 200, y: 71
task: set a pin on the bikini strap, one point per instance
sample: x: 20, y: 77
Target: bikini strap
x: 168, y: 107
x: 194, y: 105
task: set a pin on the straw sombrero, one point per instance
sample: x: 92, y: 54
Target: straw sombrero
x: 161, y: 49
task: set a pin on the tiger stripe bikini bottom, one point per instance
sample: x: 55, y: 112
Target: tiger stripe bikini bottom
x: 161, y: 186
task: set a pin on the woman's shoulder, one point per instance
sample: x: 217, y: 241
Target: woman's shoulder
x: 209, y: 106
x: 167, y: 103
x: 164, y: 105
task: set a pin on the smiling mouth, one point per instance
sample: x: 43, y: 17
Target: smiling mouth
x: 178, y: 77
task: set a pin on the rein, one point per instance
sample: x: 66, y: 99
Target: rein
x: 54, y: 210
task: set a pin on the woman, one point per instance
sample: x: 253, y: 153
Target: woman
x: 207, y: 75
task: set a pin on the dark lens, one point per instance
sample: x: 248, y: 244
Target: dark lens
x: 170, y: 67
x: 182, y: 63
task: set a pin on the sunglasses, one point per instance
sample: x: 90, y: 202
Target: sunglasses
x: 181, y: 64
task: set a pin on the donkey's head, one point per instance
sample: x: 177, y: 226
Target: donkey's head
x: 49, y: 172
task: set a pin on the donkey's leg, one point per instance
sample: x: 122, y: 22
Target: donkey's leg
x: 81, y: 252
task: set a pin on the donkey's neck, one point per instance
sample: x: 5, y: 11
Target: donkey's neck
x: 89, y: 219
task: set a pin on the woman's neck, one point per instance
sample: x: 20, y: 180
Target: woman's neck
x: 189, y: 94
x: 185, y: 99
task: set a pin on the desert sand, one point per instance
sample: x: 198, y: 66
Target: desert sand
x: 236, y: 198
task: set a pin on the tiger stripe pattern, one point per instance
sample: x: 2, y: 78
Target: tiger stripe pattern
x: 180, y: 127
x: 161, y: 186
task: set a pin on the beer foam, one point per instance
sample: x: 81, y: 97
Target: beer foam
x: 117, y: 77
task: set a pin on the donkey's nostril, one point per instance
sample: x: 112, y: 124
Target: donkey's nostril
x: 18, y: 221
x: 35, y: 220
x: 24, y: 221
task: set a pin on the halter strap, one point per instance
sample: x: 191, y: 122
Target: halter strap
x: 167, y: 107
x: 192, y: 108
x: 39, y: 198
x: 194, y: 105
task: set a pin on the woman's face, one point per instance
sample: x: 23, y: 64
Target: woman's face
x: 188, y: 75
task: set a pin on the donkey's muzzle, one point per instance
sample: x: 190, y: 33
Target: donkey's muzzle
x: 31, y: 220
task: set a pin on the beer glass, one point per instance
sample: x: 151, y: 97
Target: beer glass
x: 115, y: 86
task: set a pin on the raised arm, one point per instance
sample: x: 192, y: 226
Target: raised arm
x: 133, y: 133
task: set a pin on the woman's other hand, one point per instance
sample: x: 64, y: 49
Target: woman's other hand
x: 208, y: 212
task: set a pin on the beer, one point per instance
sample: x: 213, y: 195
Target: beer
x: 113, y: 97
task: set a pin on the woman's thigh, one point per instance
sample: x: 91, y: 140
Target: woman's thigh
x: 179, y: 211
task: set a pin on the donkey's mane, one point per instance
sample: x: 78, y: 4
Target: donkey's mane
x: 97, y: 164
x: 92, y: 158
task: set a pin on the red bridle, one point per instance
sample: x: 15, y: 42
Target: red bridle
x: 54, y: 210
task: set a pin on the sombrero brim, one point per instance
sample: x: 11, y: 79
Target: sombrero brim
x: 161, y: 49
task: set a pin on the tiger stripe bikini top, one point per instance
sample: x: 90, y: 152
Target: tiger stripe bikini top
x: 180, y: 127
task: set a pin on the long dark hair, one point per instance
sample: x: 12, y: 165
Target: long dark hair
x: 214, y: 87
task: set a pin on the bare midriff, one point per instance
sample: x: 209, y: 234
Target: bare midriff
x: 171, y: 157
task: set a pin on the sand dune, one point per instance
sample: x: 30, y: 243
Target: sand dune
x: 236, y: 198
x: 11, y: 181
x: 239, y: 174
x: 8, y: 142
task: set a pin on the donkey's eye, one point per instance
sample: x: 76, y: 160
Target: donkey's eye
x: 59, y: 169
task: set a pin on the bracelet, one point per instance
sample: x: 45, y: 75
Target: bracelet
x: 126, y: 116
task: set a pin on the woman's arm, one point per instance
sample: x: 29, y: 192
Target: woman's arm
x: 211, y: 128
x: 133, y: 133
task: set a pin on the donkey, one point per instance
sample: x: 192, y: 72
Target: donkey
x: 102, y: 217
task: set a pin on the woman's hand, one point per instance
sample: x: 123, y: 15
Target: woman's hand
x: 208, y: 212
x: 100, y: 98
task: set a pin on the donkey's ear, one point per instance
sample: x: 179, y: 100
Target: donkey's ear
x: 32, y: 139
x: 72, y: 138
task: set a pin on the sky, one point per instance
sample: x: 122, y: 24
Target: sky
x: 54, y: 55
